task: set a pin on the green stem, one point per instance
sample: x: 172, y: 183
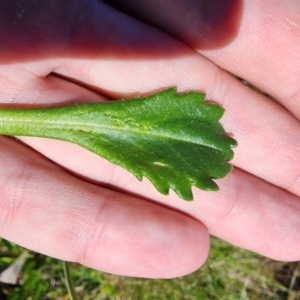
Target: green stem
x: 69, y: 281
x: 44, y: 122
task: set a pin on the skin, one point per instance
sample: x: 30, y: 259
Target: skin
x: 61, y: 200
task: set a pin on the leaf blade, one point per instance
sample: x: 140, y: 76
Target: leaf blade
x: 175, y: 140
x: 175, y: 123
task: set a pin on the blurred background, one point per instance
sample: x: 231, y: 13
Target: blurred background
x: 230, y: 273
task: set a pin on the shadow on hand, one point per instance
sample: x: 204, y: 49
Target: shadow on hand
x: 35, y: 30
x: 202, y: 24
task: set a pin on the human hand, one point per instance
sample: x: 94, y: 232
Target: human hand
x: 98, y: 214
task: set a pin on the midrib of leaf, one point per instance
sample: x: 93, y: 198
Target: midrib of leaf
x: 86, y: 127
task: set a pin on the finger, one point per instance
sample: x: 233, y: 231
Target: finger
x: 219, y: 20
x: 82, y: 29
x: 47, y: 210
x: 257, y: 40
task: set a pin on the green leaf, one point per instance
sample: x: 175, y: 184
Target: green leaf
x: 175, y: 140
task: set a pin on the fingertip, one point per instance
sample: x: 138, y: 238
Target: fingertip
x: 157, y: 243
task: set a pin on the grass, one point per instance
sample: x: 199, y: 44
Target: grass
x: 230, y: 273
